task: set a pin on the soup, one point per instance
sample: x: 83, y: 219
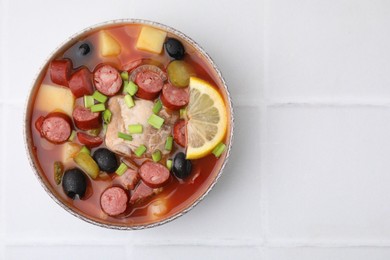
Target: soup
x: 129, y: 124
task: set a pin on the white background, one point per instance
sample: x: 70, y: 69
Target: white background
x: 309, y: 175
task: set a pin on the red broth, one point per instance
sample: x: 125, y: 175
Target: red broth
x: 178, y: 194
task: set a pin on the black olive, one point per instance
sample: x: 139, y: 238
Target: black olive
x: 84, y: 49
x: 181, y: 166
x: 74, y: 183
x: 106, y: 160
x: 174, y: 48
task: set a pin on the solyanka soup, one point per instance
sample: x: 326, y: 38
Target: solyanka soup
x: 128, y: 124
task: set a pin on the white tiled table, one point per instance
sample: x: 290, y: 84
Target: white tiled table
x: 309, y: 176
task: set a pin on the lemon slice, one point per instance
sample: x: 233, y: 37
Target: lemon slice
x: 207, y: 119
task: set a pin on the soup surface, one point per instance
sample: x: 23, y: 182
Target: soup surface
x: 129, y: 124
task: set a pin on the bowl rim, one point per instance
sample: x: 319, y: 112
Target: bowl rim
x: 27, y: 123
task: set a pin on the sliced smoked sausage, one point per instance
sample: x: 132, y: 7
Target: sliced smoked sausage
x: 107, y: 80
x: 60, y: 71
x: 179, y: 133
x: 80, y: 83
x: 114, y: 201
x: 173, y: 97
x: 55, y: 127
x: 85, y: 119
x: 154, y: 174
x: 89, y: 140
x: 150, y: 80
x: 141, y: 193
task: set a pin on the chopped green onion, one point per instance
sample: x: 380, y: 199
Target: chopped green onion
x: 125, y: 75
x: 219, y: 149
x: 72, y: 136
x: 104, y: 129
x: 169, y: 164
x: 125, y: 136
x: 135, y: 129
x: 99, y: 97
x: 156, y: 121
x: 58, y: 172
x: 140, y: 150
x: 156, y: 156
x: 98, y: 108
x: 183, y: 113
x: 107, y: 116
x: 84, y: 149
x: 129, y: 101
x: 169, y: 143
x: 121, y: 169
x: 88, y: 101
x: 157, y: 107
x: 130, y: 87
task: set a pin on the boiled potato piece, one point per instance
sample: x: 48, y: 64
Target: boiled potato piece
x: 51, y: 98
x: 108, y: 45
x: 69, y: 151
x: 151, y: 39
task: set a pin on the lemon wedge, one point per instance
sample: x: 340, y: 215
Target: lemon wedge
x: 207, y: 119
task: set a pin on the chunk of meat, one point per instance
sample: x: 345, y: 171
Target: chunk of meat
x: 122, y: 116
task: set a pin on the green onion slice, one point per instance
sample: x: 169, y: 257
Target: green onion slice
x: 125, y: 75
x: 98, y: 108
x: 156, y: 121
x: 88, y: 101
x: 183, y: 113
x: 130, y: 87
x: 121, y: 169
x: 135, y: 129
x: 140, y: 150
x: 156, y: 155
x: 169, y: 164
x: 157, y: 107
x: 107, y: 116
x: 219, y: 149
x: 125, y: 136
x: 129, y: 101
x: 99, y: 97
x: 169, y: 143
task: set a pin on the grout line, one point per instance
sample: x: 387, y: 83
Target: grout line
x: 263, y: 129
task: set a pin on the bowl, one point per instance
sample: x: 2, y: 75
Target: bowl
x: 28, y: 127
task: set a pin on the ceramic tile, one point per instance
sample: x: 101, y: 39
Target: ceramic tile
x: 327, y: 174
x: 327, y: 49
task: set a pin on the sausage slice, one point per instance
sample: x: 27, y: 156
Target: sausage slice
x: 85, y: 119
x: 89, y: 140
x: 80, y: 83
x: 55, y: 127
x: 173, y: 97
x: 114, y: 201
x: 107, y: 80
x: 154, y: 174
x: 150, y: 80
x: 179, y: 133
x: 60, y: 71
